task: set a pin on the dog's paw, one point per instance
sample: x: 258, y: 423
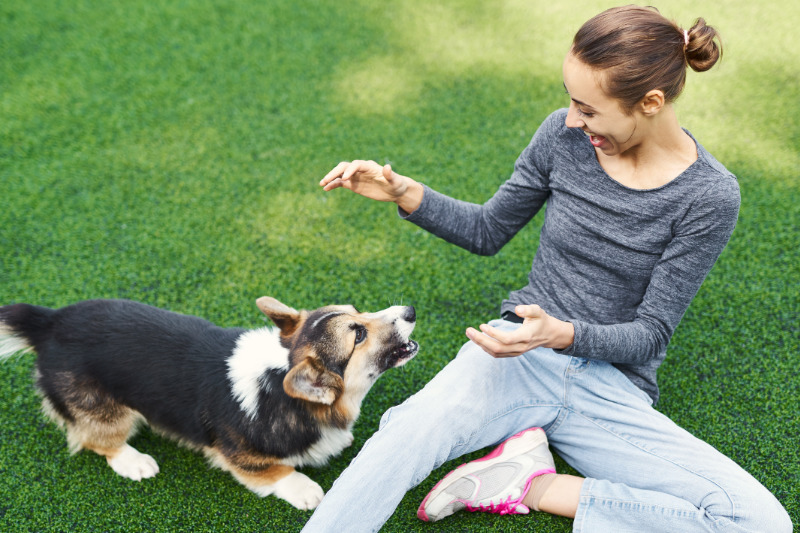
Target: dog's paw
x: 132, y: 464
x: 299, y: 490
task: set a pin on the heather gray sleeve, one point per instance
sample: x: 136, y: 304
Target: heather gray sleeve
x: 485, y: 229
x: 697, y: 243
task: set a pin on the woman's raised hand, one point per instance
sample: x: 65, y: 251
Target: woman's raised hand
x: 366, y: 178
x: 371, y: 180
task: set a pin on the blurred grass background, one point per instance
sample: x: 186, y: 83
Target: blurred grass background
x: 169, y: 152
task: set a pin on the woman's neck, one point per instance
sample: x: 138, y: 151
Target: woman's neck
x: 663, y: 152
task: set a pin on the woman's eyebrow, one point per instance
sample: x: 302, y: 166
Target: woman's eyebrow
x: 573, y: 99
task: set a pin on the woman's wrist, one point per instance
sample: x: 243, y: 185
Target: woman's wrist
x: 411, y: 198
x: 563, y: 335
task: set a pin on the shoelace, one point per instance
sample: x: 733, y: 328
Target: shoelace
x: 507, y: 506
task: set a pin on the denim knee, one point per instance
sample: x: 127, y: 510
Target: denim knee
x: 441, y: 419
x: 758, y: 512
x: 765, y: 513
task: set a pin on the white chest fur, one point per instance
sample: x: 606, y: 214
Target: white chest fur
x: 332, y: 441
x: 256, y: 352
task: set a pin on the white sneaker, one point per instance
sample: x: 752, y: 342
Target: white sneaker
x: 496, y: 483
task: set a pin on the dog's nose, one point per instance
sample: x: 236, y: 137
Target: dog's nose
x: 410, y: 315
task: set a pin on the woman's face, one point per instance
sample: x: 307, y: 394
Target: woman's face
x: 610, y: 130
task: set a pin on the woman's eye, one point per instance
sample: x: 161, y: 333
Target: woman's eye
x: 584, y: 114
x: 361, y: 334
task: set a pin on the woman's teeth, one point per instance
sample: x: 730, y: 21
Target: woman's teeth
x: 596, y: 140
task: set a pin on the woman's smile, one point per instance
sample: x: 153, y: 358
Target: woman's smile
x: 596, y: 140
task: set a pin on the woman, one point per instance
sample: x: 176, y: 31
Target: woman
x: 637, y: 213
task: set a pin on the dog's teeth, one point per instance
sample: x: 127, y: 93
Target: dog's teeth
x: 405, y: 349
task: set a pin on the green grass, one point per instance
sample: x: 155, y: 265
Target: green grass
x: 169, y: 152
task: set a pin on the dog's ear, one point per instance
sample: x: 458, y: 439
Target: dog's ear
x: 282, y: 315
x: 310, y: 381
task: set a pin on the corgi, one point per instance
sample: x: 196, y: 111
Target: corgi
x: 257, y: 403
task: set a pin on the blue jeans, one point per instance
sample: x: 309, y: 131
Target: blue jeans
x: 643, y: 472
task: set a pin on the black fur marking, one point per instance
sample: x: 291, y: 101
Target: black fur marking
x: 316, y: 333
x: 281, y: 428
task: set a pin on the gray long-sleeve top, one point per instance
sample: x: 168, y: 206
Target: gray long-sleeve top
x: 620, y: 264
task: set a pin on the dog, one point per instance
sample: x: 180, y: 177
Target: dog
x: 257, y: 402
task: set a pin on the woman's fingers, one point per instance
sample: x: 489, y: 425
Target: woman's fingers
x: 367, y: 178
x: 495, y: 342
x: 388, y: 175
x: 352, y: 168
x: 501, y: 336
x: 332, y: 179
x: 334, y: 174
x: 529, y: 311
x: 345, y: 170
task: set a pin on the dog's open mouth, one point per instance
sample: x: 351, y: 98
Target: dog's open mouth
x: 403, y: 353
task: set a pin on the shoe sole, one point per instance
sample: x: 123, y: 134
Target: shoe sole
x: 522, y: 442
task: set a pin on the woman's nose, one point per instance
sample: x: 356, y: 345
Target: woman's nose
x: 573, y: 120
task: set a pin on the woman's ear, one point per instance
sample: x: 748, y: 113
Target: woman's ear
x: 652, y: 102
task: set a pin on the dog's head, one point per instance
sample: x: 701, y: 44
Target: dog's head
x: 337, y: 352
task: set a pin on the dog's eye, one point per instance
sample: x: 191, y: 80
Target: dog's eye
x: 361, y: 334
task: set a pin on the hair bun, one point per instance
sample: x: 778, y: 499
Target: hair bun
x: 704, y: 47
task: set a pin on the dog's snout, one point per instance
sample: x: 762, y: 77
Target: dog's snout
x: 397, y: 315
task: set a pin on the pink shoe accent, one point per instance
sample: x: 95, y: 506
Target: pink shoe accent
x: 497, y: 451
x: 507, y: 507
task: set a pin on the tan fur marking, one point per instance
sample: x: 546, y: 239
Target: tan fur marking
x: 268, y: 476
x: 105, y: 438
x: 251, y: 470
x: 99, y: 423
x: 241, y: 455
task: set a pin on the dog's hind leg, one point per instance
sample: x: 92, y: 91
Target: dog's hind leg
x: 109, y: 439
x: 95, y: 421
x: 129, y: 462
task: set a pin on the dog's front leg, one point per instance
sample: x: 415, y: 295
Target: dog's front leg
x: 299, y: 490
x: 284, y: 482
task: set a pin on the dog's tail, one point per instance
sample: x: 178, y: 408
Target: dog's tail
x: 22, y: 327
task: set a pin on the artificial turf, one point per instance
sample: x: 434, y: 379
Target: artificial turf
x: 169, y: 152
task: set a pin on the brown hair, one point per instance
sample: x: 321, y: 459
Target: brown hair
x: 640, y: 50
